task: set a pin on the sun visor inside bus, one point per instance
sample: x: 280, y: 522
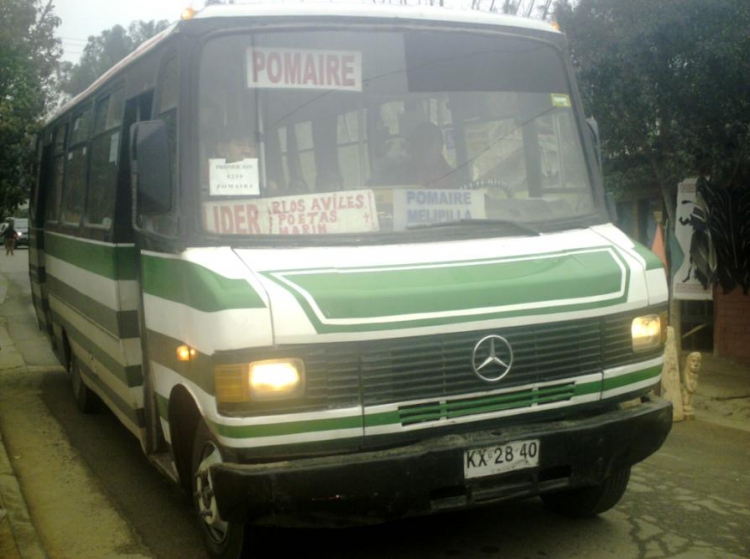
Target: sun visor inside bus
x: 463, y: 62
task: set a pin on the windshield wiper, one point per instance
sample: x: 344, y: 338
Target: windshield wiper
x: 477, y: 222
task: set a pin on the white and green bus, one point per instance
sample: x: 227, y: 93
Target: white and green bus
x: 345, y: 263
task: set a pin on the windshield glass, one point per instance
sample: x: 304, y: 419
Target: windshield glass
x: 319, y: 133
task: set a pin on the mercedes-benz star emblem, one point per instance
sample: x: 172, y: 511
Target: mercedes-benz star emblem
x: 492, y: 358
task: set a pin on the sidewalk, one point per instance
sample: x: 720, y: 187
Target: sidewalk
x: 723, y: 395
x: 18, y: 536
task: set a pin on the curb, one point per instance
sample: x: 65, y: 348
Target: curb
x: 8, y: 547
x: 18, y: 536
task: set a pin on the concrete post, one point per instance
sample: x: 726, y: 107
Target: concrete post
x: 670, y: 377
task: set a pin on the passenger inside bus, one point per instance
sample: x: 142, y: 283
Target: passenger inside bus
x: 233, y: 144
x: 426, y: 164
x: 234, y: 148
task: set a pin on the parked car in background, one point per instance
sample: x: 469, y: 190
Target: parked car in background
x: 21, y: 225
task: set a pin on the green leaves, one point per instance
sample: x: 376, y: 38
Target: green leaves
x: 28, y: 56
x: 104, y: 51
x: 669, y: 83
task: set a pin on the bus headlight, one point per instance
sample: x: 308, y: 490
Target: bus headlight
x: 276, y: 378
x: 271, y: 379
x: 649, y: 331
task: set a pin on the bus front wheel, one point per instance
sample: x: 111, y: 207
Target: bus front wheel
x: 223, y: 539
x: 586, y: 502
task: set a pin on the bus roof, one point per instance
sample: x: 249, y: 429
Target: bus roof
x: 369, y: 9
x: 328, y: 9
x: 142, y: 49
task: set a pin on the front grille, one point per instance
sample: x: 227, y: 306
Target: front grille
x: 439, y: 366
x: 461, y: 407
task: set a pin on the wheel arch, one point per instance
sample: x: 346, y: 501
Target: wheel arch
x: 66, y: 350
x: 184, y: 415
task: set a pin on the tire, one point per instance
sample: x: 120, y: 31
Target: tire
x: 223, y: 539
x: 586, y: 502
x: 86, y: 400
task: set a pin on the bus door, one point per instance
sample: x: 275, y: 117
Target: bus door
x: 155, y: 233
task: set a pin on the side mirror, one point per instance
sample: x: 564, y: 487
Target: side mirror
x: 150, y: 163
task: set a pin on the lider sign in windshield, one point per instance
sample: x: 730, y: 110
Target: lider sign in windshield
x: 309, y: 214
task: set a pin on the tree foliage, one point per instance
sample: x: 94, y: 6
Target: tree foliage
x: 104, y: 51
x: 669, y: 83
x: 28, y: 55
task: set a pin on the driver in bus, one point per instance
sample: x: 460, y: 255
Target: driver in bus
x: 426, y: 165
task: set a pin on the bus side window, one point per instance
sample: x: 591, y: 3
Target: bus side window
x: 74, y: 191
x: 55, y: 183
x: 166, y: 108
x: 105, y: 152
x: 167, y: 97
x: 43, y: 172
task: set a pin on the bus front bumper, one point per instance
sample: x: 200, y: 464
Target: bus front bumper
x: 428, y: 476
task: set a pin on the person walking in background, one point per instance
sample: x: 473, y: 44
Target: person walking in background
x: 9, y: 235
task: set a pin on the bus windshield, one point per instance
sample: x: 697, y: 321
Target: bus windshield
x: 367, y: 132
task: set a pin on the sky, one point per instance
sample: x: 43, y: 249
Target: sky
x: 82, y: 18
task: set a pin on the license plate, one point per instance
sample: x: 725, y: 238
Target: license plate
x: 500, y: 459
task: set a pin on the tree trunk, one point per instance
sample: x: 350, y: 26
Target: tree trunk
x: 669, y: 200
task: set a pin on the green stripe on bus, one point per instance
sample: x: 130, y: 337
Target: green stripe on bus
x: 288, y: 428
x: 489, y: 404
x: 136, y: 415
x: 163, y: 350
x: 122, y: 324
x: 382, y: 419
x: 109, y: 261
x: 196, y: 286
x: 455, y: 288
x: 162, y: 403
x: 652, y: 261
x: 432, y: 290
x: 321, y: 328
x: 36, y: 238
x: 632, y: 378
x: 131, y: 375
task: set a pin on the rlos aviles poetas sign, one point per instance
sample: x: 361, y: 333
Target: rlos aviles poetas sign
x: 309, y: 214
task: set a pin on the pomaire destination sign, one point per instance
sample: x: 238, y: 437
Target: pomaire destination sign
x: 304, y: 69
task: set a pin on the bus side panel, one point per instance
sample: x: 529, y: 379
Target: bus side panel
x: 37, y: 277
x: 39, y: 295
x: 94, y: 303
x: 210, y: 308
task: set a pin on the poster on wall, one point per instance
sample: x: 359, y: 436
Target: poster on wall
x: 691, y: 233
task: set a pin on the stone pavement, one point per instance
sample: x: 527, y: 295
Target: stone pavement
x: 723, y: 397
x: 18, y: 537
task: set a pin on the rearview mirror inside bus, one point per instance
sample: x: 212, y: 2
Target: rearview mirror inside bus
x: 150, y: 162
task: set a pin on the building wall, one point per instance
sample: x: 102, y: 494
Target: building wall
x: 732, y: 325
